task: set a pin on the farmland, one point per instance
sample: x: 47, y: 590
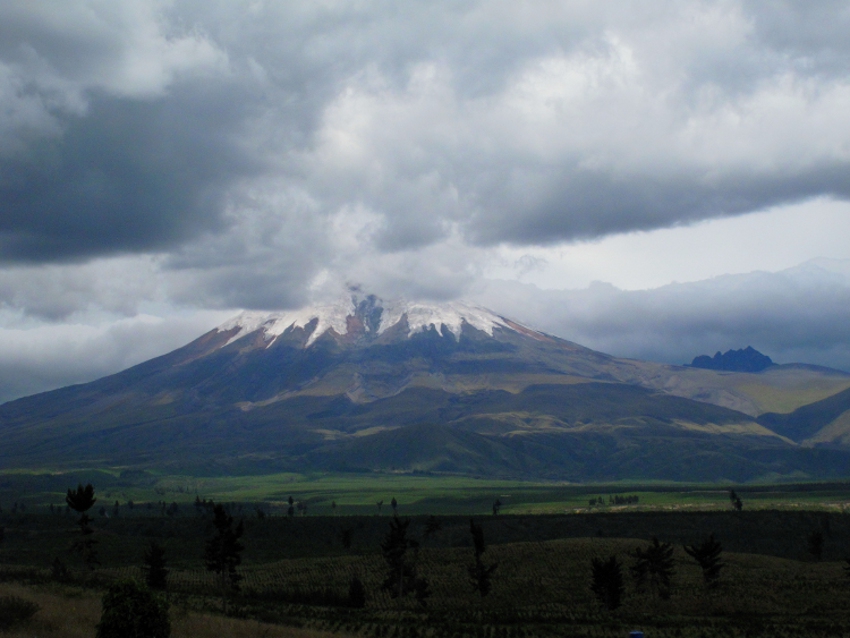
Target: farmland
x: 296, y: 570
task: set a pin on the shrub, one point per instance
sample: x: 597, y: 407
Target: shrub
x: 15, y: 610
x: 131, y: 610
x: 356, y: 593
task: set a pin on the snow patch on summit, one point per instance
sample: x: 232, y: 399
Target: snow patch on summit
x: 420, y: 317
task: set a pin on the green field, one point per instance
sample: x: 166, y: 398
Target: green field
x: 358, y: 494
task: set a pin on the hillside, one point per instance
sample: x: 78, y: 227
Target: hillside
x: 419, y: 387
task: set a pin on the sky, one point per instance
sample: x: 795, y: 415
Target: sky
x: 655, y: 180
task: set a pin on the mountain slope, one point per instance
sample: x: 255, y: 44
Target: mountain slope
x: 364, y: 384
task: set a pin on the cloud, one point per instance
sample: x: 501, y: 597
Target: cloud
x: 236, y: 143
x: 44, y: 357
x: 796, y: 315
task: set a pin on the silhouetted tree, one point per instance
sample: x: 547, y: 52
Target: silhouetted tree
x: 607, y: 581
x: 394, y: 505
x: 707, y: 555
x: 655, y: 563
x: 156, y: 575
x: 223, y: 552
x: 81, y: 501
x: 432, y: 526
x: 480, y: 574
x: 735, y: 500
x: 356, y: 593
x: 402, y: 577
x: 58, y: 571
x: 815, y: 541
x: 345, y: 535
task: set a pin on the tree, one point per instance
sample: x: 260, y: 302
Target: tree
x: 394, y: 505
x: 735, y: 500
x: 707, y: 555
x: 346, y: 535
x: 131, y: 610
x: 156, y: 575
x: 480, y: 575
x: 402, y: 577
x: 81, y: 501
x: 356, y: 593
x: 432, y: 526
x: 223, y: 552
x: 607, y: 581
x: 815, y: 541
x: 655, y: 563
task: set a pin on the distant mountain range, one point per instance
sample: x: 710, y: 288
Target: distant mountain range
x: 368, y: 385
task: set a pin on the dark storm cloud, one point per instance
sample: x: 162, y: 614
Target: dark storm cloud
x: 367, y: 130
x: 129, y: 176
x: 587, y: 204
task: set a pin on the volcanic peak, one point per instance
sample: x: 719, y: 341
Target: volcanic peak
x: 374, y: 314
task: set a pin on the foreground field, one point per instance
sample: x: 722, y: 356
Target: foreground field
x: 74, y: 613
x: 297, y: 573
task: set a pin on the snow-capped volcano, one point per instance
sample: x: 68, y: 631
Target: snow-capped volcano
x: 367, y: 315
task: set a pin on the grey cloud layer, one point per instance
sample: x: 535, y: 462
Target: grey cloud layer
x: 249, y: 142
x: 797, y: 315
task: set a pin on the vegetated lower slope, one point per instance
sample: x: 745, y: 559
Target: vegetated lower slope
x: 822, y: 422
x: 482, y: 396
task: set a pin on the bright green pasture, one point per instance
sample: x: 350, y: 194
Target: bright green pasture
x: 415, y: 494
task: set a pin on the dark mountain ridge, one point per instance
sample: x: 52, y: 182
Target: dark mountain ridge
x: 745, y: 360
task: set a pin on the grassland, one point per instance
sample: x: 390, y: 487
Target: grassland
x: 297, y: 570
x: 417, y: 494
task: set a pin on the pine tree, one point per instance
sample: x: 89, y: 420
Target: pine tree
x: 480, y: 574
x: 707, y: 555
x: 735, y: 500
x: 81, y: 501
x: 156, y: 576
x: 655, y: 563
x: 356, y: 593
x: 607, y: 581
x: 402, y: 577
x: 815, y: 541
x: 223, y: 552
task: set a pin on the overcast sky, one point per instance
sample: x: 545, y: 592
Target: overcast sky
x: 164, y: 164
